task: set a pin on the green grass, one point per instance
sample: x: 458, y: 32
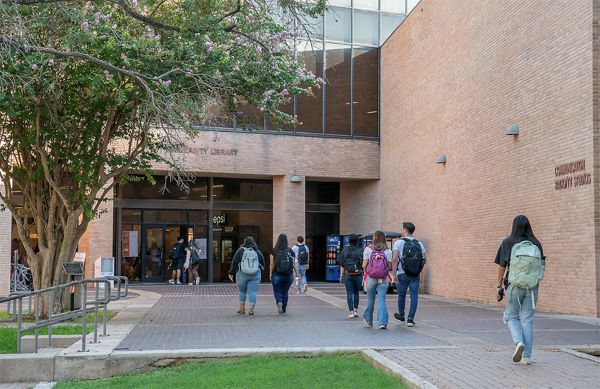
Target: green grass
x: 89, y: 317
x: 8, y: 336
x: 273, y: 372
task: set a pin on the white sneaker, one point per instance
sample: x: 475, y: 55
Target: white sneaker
x: 197, y: 280
x: 171, y: 282
x: 518, y: 354
x: 355, y: 313
x: 190, y: 283
x: 305, y: 288
x: 351, y: 315
x: 526, y: 361
x: 178, y: 282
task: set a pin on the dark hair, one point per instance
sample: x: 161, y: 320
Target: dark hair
x: 353, y: 239
x: 179, y: 238
x: 379, y: 239
x: 300, y: 239
x: 521, y: 230
x: 250, y: 242
x: 408, y: 226
x: 282, y: 243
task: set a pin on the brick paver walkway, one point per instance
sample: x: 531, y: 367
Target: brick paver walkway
x: 454, y: 345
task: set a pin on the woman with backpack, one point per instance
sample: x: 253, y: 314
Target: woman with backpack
x: 377, y: 262
x: 521, y: 267
x: 281, y: 271
x: 247, y: 264
x: 350, y: 261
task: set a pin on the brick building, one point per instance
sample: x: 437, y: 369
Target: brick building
x: 453, y: 78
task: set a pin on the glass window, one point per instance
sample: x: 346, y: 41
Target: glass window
x: 389, y: 23
x: 366, y: 27
x: 397, y: 6
x: 162, y: 216
x: 337, y: 89
x: 310, y: 108
x: 343, y: 3
x: 365, y: 91
x: 232, y: 189
x: 198, y: 217
x: 368, y: 4
x: 249, y: 117
x: 338, y: 24
x: 322, y: 192
x: 144, y: 190
x: 410, y: 4
x: 310, y: 27
x: 278, y: 126
x: 132, y: 216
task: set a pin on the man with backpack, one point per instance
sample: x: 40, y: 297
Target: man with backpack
x: 301, y: 264
x: 177, y: 260
x: 408, y: 260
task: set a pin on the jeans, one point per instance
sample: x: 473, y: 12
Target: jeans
x: 405, y: 281
x: 519, y: 316
x: 301, y: 272
x: 247, y: 285
x: 281, y: 287
x: 352, y: 288
x: 374, y: 286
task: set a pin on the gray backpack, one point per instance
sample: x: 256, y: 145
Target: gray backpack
x: 249, y: 263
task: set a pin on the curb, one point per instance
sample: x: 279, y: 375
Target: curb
x: 407, y: 377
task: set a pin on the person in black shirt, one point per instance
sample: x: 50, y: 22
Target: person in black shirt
x: 247, y: 264
x: 178, y: 253
x: 350, y: 261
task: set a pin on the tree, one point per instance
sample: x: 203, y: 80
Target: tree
x: 92, y: 90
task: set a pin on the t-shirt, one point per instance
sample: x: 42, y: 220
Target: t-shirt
x: 399, y: 247
x: 296, y: 249
x: 503, y: 254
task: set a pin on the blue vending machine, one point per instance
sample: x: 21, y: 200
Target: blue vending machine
x: 334, y: 246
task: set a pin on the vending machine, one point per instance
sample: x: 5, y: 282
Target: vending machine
x: 334, y: 246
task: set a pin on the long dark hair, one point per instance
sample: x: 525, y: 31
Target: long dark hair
x: 521, y: 230
x: 282, y: 243
x: 250, y: 242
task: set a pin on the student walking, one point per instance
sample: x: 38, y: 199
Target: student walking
x: 178, y: 254
x: 351, y: 269
x: 194, y: 262
x: 301, y: 254
x: 281, y: 269
x: 377, y: 262
x: 247, y: 265
x: 408, y: 261
x: 521, y: 267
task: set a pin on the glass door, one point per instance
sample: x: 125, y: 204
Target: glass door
x: 154, y: 254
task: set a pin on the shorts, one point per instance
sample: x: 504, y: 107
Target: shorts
x: 180, y: 263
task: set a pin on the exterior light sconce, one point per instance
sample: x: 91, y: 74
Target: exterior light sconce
x: 513, y: 129
x: 296, y: 178
x: 441, y: 159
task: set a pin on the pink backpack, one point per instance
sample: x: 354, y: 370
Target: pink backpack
x: 378, y: 267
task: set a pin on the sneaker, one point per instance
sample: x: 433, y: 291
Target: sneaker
x: 526, y: 361
x: 280, y: 307
x: 190, y: 283
x: 197, y: 280
x: 305, y: 288
x: 518, y: 354
x: 382, y: 326
x: 355, y: 313
x: 398, y: 317
x: 171, y: 282
x: 178, y: 282
x: 410, y: 323
x: 367, y: 323
x: 351, y: 315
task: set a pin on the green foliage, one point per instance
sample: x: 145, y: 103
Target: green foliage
x: 8, y: 336
x: 326, y: 371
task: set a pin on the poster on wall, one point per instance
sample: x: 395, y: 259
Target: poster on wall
x: 202, y: 245
x: 129, y: 243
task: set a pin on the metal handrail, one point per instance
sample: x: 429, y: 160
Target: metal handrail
x: 97, y: 303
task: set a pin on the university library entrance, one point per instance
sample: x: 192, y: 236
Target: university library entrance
x: 149, y: 221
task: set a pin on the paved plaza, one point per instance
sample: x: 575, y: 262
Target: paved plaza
x: 454, y: 344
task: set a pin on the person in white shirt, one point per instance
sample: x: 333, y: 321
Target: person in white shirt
x: 408, y: 265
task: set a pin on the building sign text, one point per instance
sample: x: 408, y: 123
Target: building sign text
x: 572, y: 174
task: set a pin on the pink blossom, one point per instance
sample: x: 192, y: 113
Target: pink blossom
x: 33, y: 66
x: 284, y: 93
x: 85, y: 25
x: 97, y: 17
x: 134, y: 3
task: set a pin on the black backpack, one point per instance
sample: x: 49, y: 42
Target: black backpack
x: 284, y: 262
x: 412, y: 257
x: 176, y: 251
x: 302, y: 254
x: 353, y: 261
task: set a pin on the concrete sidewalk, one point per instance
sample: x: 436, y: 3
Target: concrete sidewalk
x: 454, y: 344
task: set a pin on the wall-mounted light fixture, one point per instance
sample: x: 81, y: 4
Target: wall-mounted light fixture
x: 296, y: 178
x: 513, y: 129
x: 441, y: 159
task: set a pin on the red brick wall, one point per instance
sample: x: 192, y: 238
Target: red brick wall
x: 596, y: 126
x: 454, y: 76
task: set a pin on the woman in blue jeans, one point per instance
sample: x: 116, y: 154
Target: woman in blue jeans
x: 376, y: 286
x: 520, y: 303
x: 247, y: 283
x: 350, y: 261
x: 281, y: 272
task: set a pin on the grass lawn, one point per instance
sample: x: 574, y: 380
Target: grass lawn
x: 8, y: 336
x: 5, y: 316
x: 274, y: 372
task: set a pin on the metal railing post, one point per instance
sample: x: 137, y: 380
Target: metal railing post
x: 96, y: 285
x: 84, y: 313
x: 20, y: 317
x: 36, y: 306
x: 50, y: 312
